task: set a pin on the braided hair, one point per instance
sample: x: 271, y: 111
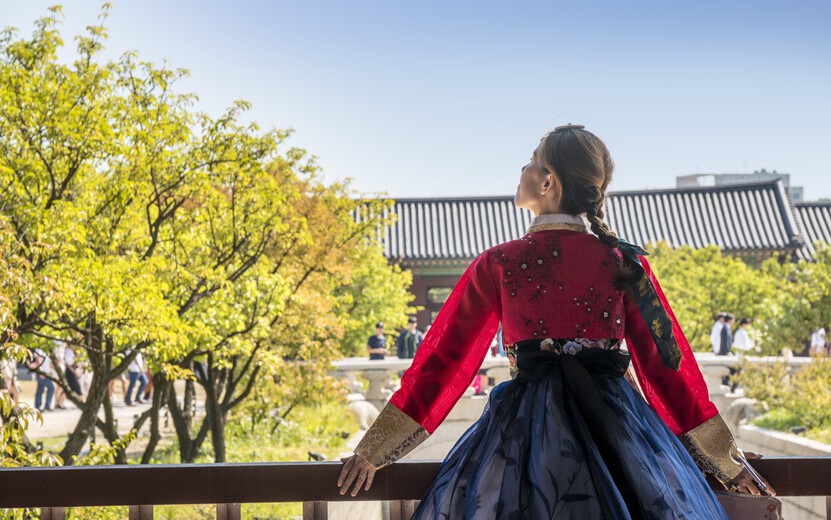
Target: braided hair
x: 581, y: 169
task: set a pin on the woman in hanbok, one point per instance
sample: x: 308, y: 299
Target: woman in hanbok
x: 569, y: 436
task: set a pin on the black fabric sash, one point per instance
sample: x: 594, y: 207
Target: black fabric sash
x: 582, y: 397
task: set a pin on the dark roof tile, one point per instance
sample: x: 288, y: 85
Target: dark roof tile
x: 815, y: 222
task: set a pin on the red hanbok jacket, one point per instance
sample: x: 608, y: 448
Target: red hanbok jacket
x: 553, y: 283
x: 548, y: 284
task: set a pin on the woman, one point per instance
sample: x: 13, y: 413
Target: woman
x: 568, y: 437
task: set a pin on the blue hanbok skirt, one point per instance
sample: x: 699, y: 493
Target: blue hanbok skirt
x: 532, y: 456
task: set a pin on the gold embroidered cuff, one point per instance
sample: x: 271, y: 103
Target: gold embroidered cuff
x: 712, y: 447
x: 392, y: 435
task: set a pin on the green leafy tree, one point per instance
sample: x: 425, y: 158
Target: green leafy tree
x: 203, y: 243
x: 378, y: 292
x: 802, y: 301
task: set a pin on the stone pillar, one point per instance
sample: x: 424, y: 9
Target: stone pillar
x: 378, y: 394
x: 352, y: 383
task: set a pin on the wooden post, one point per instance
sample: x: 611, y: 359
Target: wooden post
x: 402, y: 509
x: 315, y: 510
x: 142, y: 512
x: 53, y: 513
x: 228, y: 512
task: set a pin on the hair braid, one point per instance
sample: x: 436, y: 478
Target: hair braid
x: 598, y: 225
x: 583, y: 169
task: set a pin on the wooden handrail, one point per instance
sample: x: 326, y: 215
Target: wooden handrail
x: 308, y: 482
x: 202, y: 484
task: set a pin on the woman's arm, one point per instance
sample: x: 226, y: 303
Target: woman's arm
x: 680, y: 397
x: 444, y: 366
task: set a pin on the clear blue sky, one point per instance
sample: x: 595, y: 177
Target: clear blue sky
x: 449, y: 98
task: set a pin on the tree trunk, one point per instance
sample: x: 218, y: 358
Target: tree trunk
x: 180, y: 424
x: 89, y: 413
x: 160, y: 385
x: 111, y: 429
x: 188, y: 402
x: 188, y: 445
x: 218, y: 437
x: 213, y: 409
x: 99, y: 361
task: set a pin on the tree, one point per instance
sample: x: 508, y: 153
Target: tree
x: 374, y: 295
x: 145, y: 226
x: 802, y: 301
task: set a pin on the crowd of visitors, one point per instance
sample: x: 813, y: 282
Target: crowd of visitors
x: 727, y: 343
x: 724, y: 341
x: 410, y: 339
x: 405, y: 346
x: 64, y: 360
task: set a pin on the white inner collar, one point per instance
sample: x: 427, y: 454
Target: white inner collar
x: 560, y: 218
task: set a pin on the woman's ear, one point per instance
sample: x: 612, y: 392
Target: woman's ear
x: 546, y: 185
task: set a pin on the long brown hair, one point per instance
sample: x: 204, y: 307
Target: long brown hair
x: 581, y: 169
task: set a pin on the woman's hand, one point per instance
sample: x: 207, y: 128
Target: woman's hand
x: 743, y: 483
x: 356, y: 469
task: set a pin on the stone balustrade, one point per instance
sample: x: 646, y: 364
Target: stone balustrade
x: 378, y: 372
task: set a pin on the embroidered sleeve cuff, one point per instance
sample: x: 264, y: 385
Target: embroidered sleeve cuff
x: 712, y: 447
x: 392, y: 435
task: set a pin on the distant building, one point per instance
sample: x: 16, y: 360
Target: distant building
x: 437, y: 238
x: 700, y: 180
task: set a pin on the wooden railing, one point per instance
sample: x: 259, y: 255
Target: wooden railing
x: 312, y: 483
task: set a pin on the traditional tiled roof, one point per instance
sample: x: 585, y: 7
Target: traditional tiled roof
x: 739, y: 217
x: 748, y: 217
x: 815, y: 222
x: 452, y: 228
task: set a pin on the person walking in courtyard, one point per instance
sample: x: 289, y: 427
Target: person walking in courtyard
x: 726, y: 336
x: 376, y: 345
x: 148, y: 390
x: 72, y: 370
x: 41, y: 364
x: 568, y: 436
x: 742, y: 340
x: 818, y: 343
x: 726, y: 349
x: 409, y: 340
x: 136, y: 372
x: 715, y: 334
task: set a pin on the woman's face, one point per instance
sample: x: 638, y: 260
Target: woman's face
x: 533, y: 181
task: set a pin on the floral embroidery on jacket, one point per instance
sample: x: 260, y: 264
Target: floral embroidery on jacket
x: 558, y: 283
x: 532, y: 268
